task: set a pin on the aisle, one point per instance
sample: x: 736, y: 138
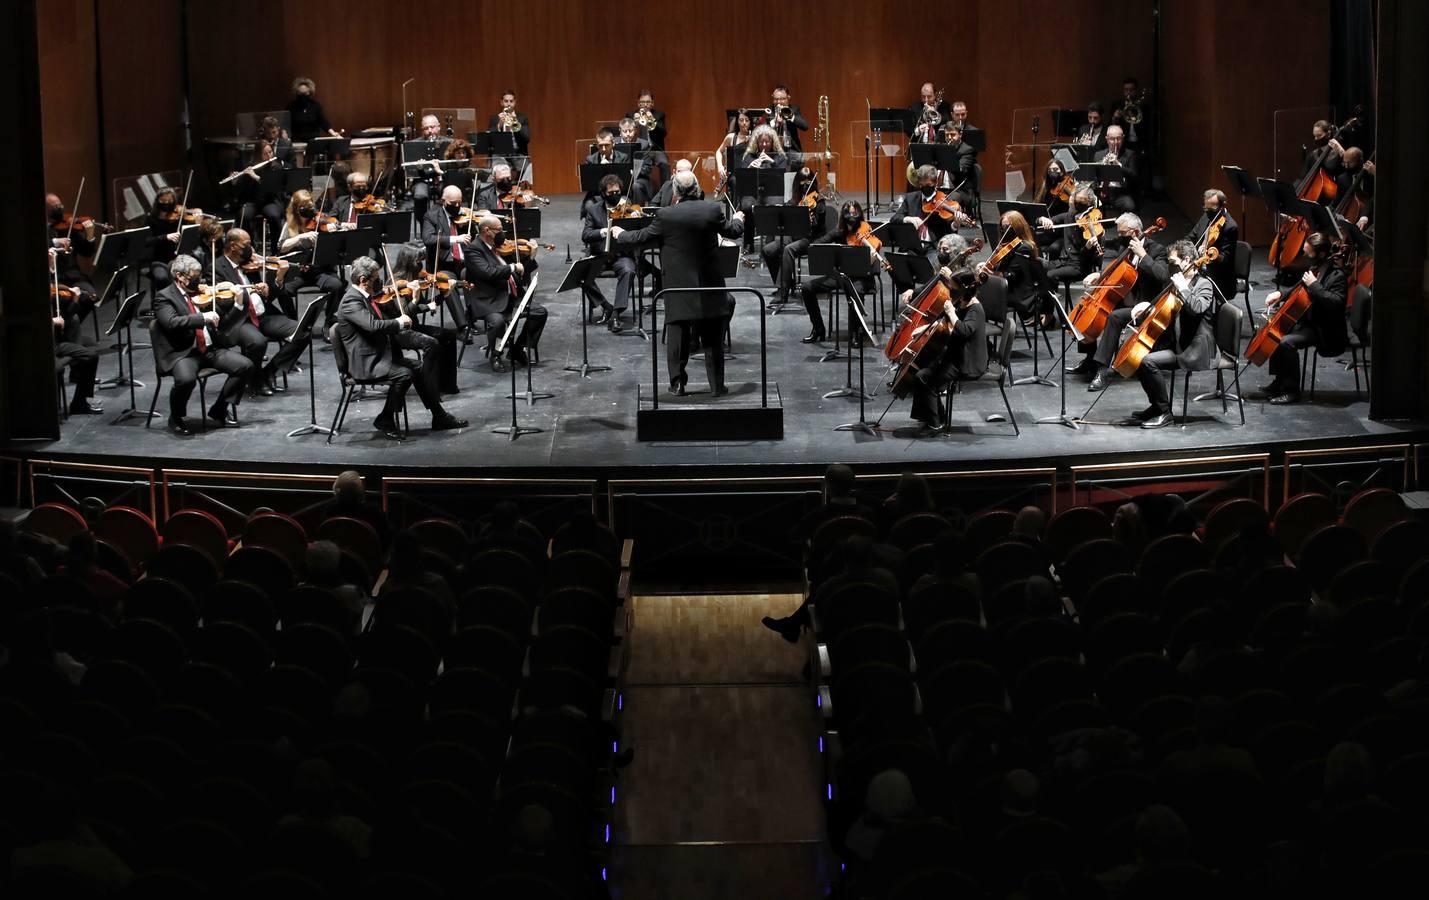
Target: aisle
x: 723, y: 797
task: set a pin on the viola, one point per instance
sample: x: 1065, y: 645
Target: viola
x: 526, y: 248
x: 1282, y: 321
x: 864, y: 236
x: 1092, y: 229
x: 321, y: 222
x: 522, y: 195
x: 1213, y: 231
x: 999, y: 255
x: 925, y: 305
x: 370, y: 204
x: 1064, y: 189
x: 626, y: 210
x: 1158, y: 320
x: 86, y: 225
x: 1316, y: 187
x: 944, y: 208
x: 1115, y: 282
x: 266, y: 263
x: 214, y: 295
x: 187, y: 216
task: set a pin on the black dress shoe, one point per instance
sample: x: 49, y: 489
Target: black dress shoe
x: 1286, y: 398
x: 223, y: 417
x: 270, y: 378
x: 1273, y: 388
x: 1085, y: 367
x: 601, y: 316
x: 1098, y: 383
x: 177, y: 426
x: 498, y: 365
x: 615, y: 325
x: 445, y: 421
x: 1160, y: 420
x: 678, y: 389
x: 785, y: 628
x: 721, y: 390
x: 517, y: 357
x: 262, y: 389
x: 1149, y: 412
x: 388, y: 427
x: 84, y: 408
x: 813, y: 337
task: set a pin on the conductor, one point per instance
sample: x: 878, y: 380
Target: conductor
x: 689, y: 233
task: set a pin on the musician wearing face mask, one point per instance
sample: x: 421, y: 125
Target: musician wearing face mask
x: 1149, y: 257
x: 185, y: 340
x: 425, y: 335
x: 1071, y: 257
x: 850, y: 219
x: 496, y: 286
x: 306, y: 113
x: 964, y: 357
x: 69, y: 246
x: 255, y: 318
x: 447, y: 244
x: 595, y: 224
x: 492, y: 197
x: 344, y: 208
x: 1190, y: 343
x: 1119, y: 195
x: 1221, y: 270
x: 300, y: 234
x: 164, y: 225
x: 1356, y: 178
x: 1322, y: 326
x: 781, y: 253
x: 910, y: 207
x: 256, y: 204
x: 1054, y: 180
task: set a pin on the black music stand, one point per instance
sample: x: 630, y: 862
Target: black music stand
x: 305, y: 326
x: 495, y: 143
x: 341, y: 248
x: 124, y: 319
x: 422, y: 151
x: 1245, y: 185
x: 390, y: 227
x: 515, y: 429
x: 1101, y: 173
x: 1065, y: 317
x: 328, y: 150
x: 842, y: 263
x: 887, y: 120
x: 910, y: 268
x: 791, y: 222
x: 295, y: 180
x: 575, y: 279
x: 592, y: 174
x: 1030, y: 211
x: 975, y: 138
x: 760, y: 185
x: 900, y: 235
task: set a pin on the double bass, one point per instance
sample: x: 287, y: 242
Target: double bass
x: 1282, y: 321
x: 925, y: 305
x: 1316, y: 187
x: 1157, y: 322
x: 1115, y: 282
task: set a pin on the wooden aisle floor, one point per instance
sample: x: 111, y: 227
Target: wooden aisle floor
x: 722, y: 800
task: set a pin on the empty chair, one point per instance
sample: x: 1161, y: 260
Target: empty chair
x: 1327, y: 551
x: 262, y: 566
x: 131, y: 531
x: 915, y: 528
x: 1229, y: 518
x: 415, y: 607
x: 352, y: 534
x: 935, y: 600
x: 239, y: 601
x: 1132, y: 681
x: 235, y: 647
x: 576, y: 606
x: 853, y: 603
x: 952, y: 640
x: 987, y: 528
x: 957, y: 685
x: 1372, y: 511
x: 162, y: 600
x: 583, y: 568
x: 319, y: 605
x: 1119, y: 592
x: 1119, y: 636
x: 1007, y: 562
x: 280, y: 533
x: 1299, y: 517
x: 1188, y: 592
x: 498, y: 606
x: 443, y: 536
x: 1170, y: 555
x: 190, y: 566
x: 197, y: 528
x: 1073, y: 527
x: 869, y: 643
x: 1031, y: 640
x: 400, y: 648
x: 1401, y: 545
x: 1089, y: 563
x: 835, y: 531
x: 317, y: 647
x: 573, y: 647
x: 1047, y: 682
x: 504, y: 567
x: 55, y: 521
x: 153, y: 646
x: 1362, y: 580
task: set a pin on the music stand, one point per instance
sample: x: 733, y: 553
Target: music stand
x: 341, y: 248
x: 576, y: 277
x: 391, y: 227
x: 305, y: 326
x: 1061, y: 418
x: 515, y: 429
x: 835, y: 261
x: 1030, y: 211
x: 189, y: 236
x: 910, y: 268
x: 760, y: 185
x: 124, y: 319
x: 975, y: 138
x: 421, y: 150
x: 900, y: 234
x: 1245, y: 185
x: 1317, y: 214
x: 790, y: 222
x: 494, y: 143
x: 893, y: 120
x: 592, y: 174
x: 328, y: 149
x: 295, y: 180
x: 1101, y: 173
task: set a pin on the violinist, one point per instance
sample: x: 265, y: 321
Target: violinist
x: 964, y: 358
x: 256, y: 318
x: 300, y: 233
x: 738, y: 135
x: 496, y: 285
x: 780, y: 253
x: 72, y: 349
x: 71, y: 243
x: 1071, y: 256
x: 785, y: 120
x: 846, y: 232
x: 373, y: 351
x: 1055, y: 190
x: 447, y: 244
x: 493, y: 196
x: 1093, y: 133
x: 910, y: 206
x: 595, y: 223
x: 434, y: 341
x: 1149, y: 258
x: 356, y: 201
x: 164, y: 227
x: 1022, y: 268
x: 1322, y: 326
x: 1190, y: 343
x: 1119, y: 196
x: 1221, y: 271
x: 509, y: 119
x: 185, y: 341
x: 1356, y: 178
x: 306, y: 113
x: 210, y: 243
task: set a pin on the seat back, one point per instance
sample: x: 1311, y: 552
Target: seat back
x: 1242, y: 261
x: 1228, y: 330
x: 1359, y: 312
x: 339, y: 351
x: 1004, y: 343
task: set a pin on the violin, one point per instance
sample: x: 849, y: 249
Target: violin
x: 86, y: 225
x: 1091, y: 220
x: 1282, y: 321
x: 944, y: 208
x: 1115, y: 282
x: 1158, y: 320
x: 626, y: 210
x: 924, y: 305
x: 321, y: 222
x: 370, y: 204
x: 214, y: 295
x: 266, y: 263
x: 1316, y: 187
x: 187, y: 216
x: 522, y: 195
x: 864, y: 236
x: 526, y: 247
x: 1213, y: 231
x: 999, y: 255
x: 1064, y: 189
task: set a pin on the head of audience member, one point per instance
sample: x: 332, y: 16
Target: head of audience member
x: 1030, y: 522
x: 889, y: 798
x: 912, y: 494
x: 949, y: 553
x: 322, y: 560
x: 838, y: 482
x: 349, y: 489
x: 1349, y: 774
x: 1161, y: 836
x: 1020, y: 793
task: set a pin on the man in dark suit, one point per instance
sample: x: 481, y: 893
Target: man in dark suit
x: 909, y: 206
x: 447, y: 244
x: 1093, y: 133
x: 74, y: 350
x: 786, y: 120
x: 369, y: 341
x: 1119, y: 196
x: 642, y: 163
x: 1221, y: 271
x: 521, y: 127
x: 689, y: 234
x: 502, y: 181
x: 666, y: 195
x: 595, y: 227
x: 645, y: 106
x: 494, y: 292
x: 921, y: 113
x: 186, y: 340
x: 1149, y: 258
x: 960, y: 180
x: 605, y: 154
x: 256, y: 319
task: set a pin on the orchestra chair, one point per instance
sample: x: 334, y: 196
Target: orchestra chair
x: 998, y: 367
x: 1242, y: 279
x: 349, y: 386
x: 1358, y: 314
x: 1227, y: 353
x: 204, y: 375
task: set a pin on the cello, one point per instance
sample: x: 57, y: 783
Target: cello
x: 1158, y: 320
x: 1282, y: 321
x: 1316, y: 186
x: 929, y: 339
x: 925, y: 305
x: 1115, y: 282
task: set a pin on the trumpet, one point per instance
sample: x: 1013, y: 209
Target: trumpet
x: 506, y: 121
x: 645, y: 119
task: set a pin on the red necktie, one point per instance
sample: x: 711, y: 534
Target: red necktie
x: 456, y: 248
x: 199, y: 337
x: 252, y: 313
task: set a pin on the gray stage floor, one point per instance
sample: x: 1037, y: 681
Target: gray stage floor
x: 590, y: 422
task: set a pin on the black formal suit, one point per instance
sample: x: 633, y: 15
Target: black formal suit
x: 180, y: 353
x: 1222, y: 270
x: 493, y: 296
x: 307, y: 118
x: 655, y: 135
x: 688, y: 234
x: 640, y: 190
x: 666, y: 195
x: 619, y: 257
x: 1323, y: 326
x: 523, y: 135
x: 254, y: 329
x: 1121, y: 196
x: 162, y: 250
x: 963, y: 359
x: 811, y: 286
x: 1152, y: 273
x: 75, y: 351
x: 911, y: 204
x: 489, y: 197
x: 367, y: 338
x: 1098, y: 137
x: 1191, y: 344
x: 789, y: 134
x: 1070, y: 256
x: 438, y: 233
x: 915, y: 115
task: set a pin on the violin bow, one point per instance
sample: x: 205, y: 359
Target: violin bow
x: 183, y: 207
x: 74, y: 211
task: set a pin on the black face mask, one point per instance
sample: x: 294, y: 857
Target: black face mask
x: 944, y: 257
x: 498, y: 238
x: 929, y: 191
x: 55, y: 213
x: 166, y: 205
x: 852, y: 222
x: 245, y: 254
x: 612, y: 199
x: 359, y: 193
x: 454, y: 209
x: 307, y: 212
x: 503, y: 185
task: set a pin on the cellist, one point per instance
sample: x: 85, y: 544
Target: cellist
x: 1149, y: 257
x: 1189, y: 344
x: 1323, y: 325
x: 964, y: 357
